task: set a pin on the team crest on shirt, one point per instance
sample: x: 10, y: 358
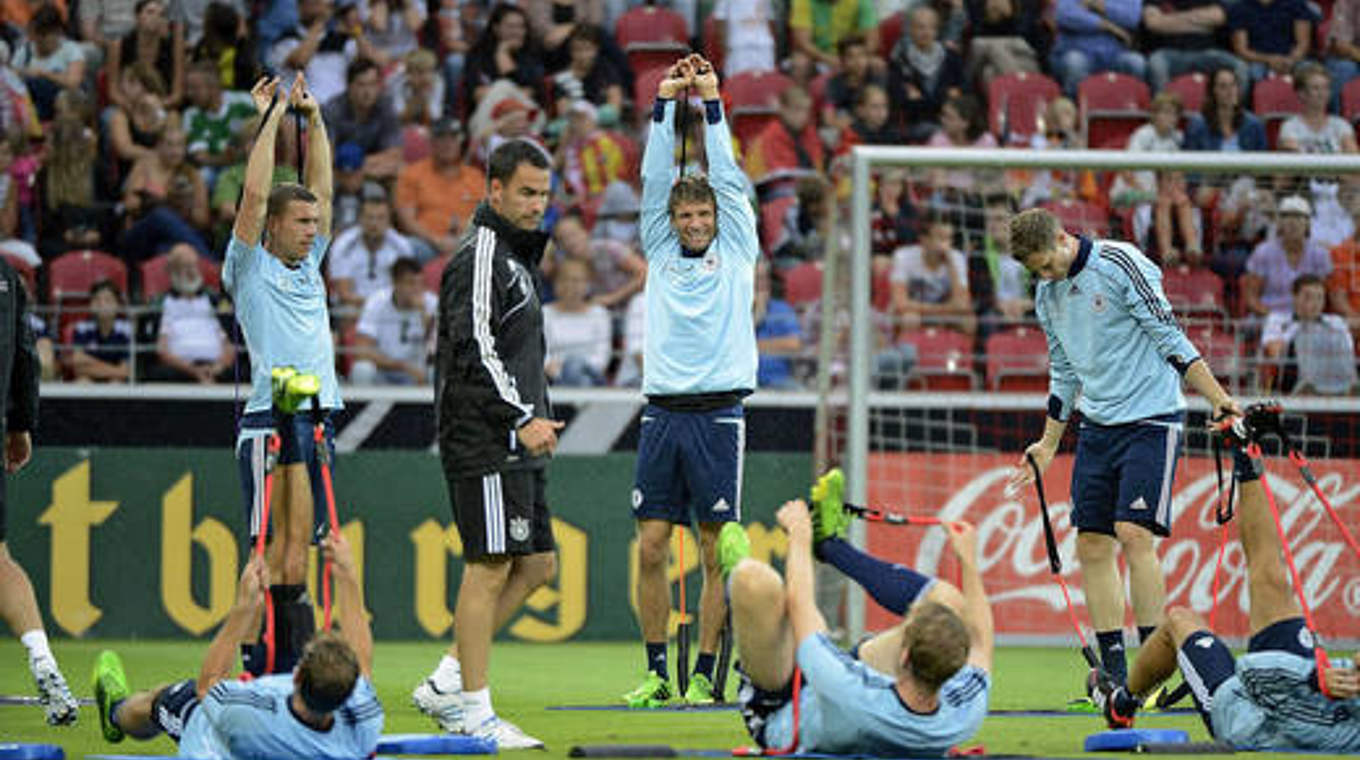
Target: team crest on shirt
x: 711, y: 263
x: 1098, y: 302
x: 519, y: 528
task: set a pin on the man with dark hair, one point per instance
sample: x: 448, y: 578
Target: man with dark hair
x: 916, y: 689
x: 19, y: 371
x: 364, y: 116
x: 392, y: 339
x: 273, y: 274
x: 1117, y: 354
x: 495, y: 434
x: 699, y: 237
x: 1272, y: 698
x: 327, y: 707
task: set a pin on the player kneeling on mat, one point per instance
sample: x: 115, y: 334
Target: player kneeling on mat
x: 1272, y: 697
x: 326, y: 707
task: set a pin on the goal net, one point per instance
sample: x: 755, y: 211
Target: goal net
x: 929, y: 395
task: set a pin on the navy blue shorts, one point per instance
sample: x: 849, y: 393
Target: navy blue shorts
x: 1123, y: 473
x: 1206, y: 662
x: 296, y: 444
x: 689, y: 465
x: 172, y: 707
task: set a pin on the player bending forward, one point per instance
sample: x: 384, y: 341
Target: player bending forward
x: 1269, y: 699
x: 917, y: 689
x: 326, y: 708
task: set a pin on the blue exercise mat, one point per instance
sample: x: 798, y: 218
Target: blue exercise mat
x: 1130, y: 738
x: 435, y: 744
x: 12, y: 751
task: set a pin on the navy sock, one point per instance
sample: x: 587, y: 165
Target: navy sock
x: 703, y: 665
x: 656, y: 659
x: 113, y: 712
x: 1112, y: 654
x: 893, y: 586
x: 1145, y: 633
x: 1245, y: 469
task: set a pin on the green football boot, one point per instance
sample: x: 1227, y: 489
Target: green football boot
x: 110, y: 687
x: 654, y: 691
x: 829, y: 518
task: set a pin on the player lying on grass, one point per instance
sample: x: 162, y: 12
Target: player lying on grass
x: 326, y: 708
x: 917, y: 689
x: 1269, y: 698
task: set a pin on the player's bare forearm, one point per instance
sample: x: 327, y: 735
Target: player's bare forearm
x: 977, y: 614
x: 799, y: 583
x: 354, y: 619
x: 1202, y: 379
x: 1053, y: 432
x: 222, y: 652
x: 259, y: 175
x: 318, y: 169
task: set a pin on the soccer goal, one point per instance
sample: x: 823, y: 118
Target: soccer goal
x: 928, y: 409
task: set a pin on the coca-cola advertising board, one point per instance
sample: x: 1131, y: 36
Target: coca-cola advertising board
x: 1026, y: 599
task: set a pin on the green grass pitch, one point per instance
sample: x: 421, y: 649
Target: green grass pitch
x: 527, y: 678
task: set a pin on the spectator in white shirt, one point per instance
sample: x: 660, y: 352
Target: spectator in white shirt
x: 392, y: 344
x: 191, y: 345
x: 1313, y: 352
x: 929, y: 282
x: 577, y: 331
x: 362, y: 256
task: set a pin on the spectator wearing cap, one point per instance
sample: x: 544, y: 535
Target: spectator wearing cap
x: 1279, y: 260
x: 588, y: 157
x: 1313, y: 352
x: 418, y: 92
x: 361, y: 257
x: 317, y: 47
x: 1093, y: 36
x: 1272, y: 36
x: 510, y: 119
x: 361, y: 115
x: 437, y: 195
x: 349, y: 185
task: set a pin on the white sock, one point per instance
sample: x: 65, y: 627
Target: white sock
x: 477, y: 707
x: 448, y: 677
x: 36, y: 641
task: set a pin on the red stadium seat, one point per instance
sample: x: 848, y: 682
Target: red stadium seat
x: 415, y: 142
x: 1194, y: 291
x: 1273, y: 99
x: 1350, y: 100
x: 1191, y: 89
x: 1080, y: 217
x: 889, y: 32
x: 645, y: 83
x: 652, y: 36
x: 944, y: 359
x: 772, y: 214
x: 1017, y: 360
x: 754, y: 102
x: 1015, y: 102
x: 433, y: 272
x: 803, y: 283
x: 1112, y: 106
x: 155, y: 277
x: 70, y: 275
x: 713, y: 51
x: 1220, y: 349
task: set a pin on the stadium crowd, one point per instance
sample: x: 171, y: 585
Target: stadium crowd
x: 127, y: 122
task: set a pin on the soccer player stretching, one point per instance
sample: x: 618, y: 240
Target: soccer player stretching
x: 1112, y: 338
x: 699, y: 237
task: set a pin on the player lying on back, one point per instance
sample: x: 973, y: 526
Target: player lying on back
x: 326, y: 708
x: 917, y: 689
x: 1269, y: 698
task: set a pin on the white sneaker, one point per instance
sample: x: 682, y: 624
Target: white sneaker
x: 506, y: 734
x: 445, y: 707
x: 55, y: 696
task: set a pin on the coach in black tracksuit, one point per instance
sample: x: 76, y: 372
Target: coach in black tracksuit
x: 494, y: 432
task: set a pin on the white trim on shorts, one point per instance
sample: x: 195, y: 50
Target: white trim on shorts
x: 740, y: 422
x: 1168, y: 474
x: 493, y: 512
x: 1192, y: 676
x: 258, y: 440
